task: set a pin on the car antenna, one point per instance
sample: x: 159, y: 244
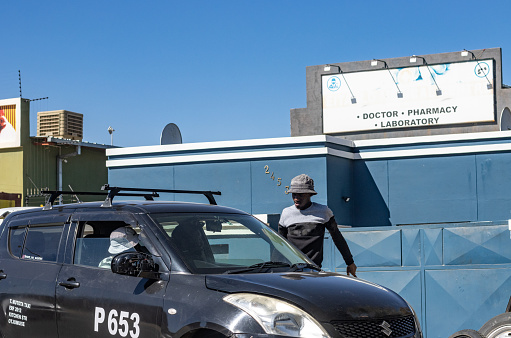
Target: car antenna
x: 76, y: 196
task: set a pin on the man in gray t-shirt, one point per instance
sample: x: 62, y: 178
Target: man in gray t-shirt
x: 304, y: 224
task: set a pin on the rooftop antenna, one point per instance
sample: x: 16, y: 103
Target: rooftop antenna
x: 19, y: 77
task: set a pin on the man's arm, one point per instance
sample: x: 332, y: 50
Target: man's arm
x: 283, y: 231
x: 342, y: 246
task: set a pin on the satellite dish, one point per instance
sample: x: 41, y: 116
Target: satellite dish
x: 171, y: 135
x: 505, y: 119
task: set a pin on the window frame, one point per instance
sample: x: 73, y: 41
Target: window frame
x: 29, y: 229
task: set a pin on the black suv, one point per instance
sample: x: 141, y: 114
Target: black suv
x: 172, y: 269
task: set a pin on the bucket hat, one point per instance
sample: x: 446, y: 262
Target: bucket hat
x: 122, y: 239
x: 302, y: 184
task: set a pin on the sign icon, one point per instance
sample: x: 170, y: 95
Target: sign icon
x: 482, y: 69
x: 333, y: 84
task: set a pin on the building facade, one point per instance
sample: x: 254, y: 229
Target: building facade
x: 388, y: 98
x: 29, y: 164
x: 412, y: 154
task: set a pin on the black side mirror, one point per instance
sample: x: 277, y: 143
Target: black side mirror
x: 136, y: 264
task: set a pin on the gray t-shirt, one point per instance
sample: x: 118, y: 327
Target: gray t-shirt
x: 306, y: 230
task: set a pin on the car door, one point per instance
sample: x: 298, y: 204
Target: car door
x: 29, y: 265
x: 91, y: 299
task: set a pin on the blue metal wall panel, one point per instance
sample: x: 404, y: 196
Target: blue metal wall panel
x: 494, y: 185
x: 477, y: 245
x: 455, y: 277
x: 432, y: 190
x: 407, y: 283
x: 339, y: 178
x: 433, y: 246
x: 379, y: 248
x: 464, y: 298
x: 231, y: 178
x: 370, y: 193
x: 268, y: 197
x: 411, y: 247
x: 328, y: 254
x: 143, y: 177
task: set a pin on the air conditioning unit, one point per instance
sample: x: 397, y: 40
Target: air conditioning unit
x: 60, y: 123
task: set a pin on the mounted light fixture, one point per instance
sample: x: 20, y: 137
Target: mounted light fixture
x: 414, y: 58
x: 465, y: 53
x: 374, y: 63
x: 327, y: 68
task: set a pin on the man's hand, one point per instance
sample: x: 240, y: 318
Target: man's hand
x: 351, y: 270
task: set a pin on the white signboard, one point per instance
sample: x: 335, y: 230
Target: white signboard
x: 420, y: 96
x: 10, y: 123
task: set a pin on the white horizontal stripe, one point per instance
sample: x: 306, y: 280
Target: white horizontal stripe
x: 434, y: 151
x: 217, y: 157
x: 433, y: 139
x: 285, y: 141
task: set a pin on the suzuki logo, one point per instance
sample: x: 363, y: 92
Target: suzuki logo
x: 385, y: 328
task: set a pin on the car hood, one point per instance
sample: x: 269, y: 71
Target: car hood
x: 326, y: 295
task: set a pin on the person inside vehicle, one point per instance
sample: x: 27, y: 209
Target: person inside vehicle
x: 191, y: 241
x: 122, y: 239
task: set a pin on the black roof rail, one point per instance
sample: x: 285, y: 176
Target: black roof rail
x: 54, y: 194
x: 148, y: 194
x: 114, y: 191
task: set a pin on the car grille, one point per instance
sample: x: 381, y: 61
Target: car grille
x: 398, y: 327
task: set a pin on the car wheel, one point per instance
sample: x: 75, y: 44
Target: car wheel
x: 497, y: 327
x: 466, y: 334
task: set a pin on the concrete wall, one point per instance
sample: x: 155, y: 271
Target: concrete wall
x: 414, y: 180
x: 453, y: 265
x: 309, y: 120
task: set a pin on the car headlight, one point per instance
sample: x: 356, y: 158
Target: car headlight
x: 277, y: 317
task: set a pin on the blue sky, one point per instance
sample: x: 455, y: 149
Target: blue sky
x: 220, y: 70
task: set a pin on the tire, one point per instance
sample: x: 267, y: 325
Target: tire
x: 497, y: 327
x: 466, y: 334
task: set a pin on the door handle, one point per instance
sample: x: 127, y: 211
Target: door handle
x: 71, y: 283
x: 3, y: 275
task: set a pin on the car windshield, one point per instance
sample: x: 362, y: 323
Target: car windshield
x: 229, y: 243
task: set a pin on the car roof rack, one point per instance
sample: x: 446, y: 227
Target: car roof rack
x: 114, y: 191
x: 111, y: 192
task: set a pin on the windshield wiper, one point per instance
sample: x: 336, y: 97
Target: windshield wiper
x: 301, y: 266
x: 259, y: 267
